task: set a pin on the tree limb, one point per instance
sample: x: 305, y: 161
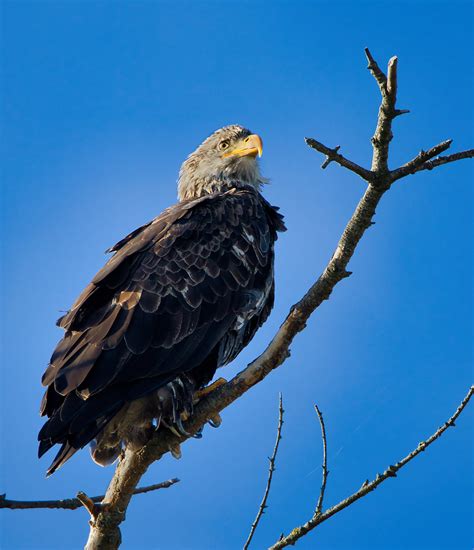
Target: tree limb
x: 74, y: 503
x: 333, y: 155
x: 271, y: 469
x: 423, y: 160
x: 369, y: 486
x: 377, y: 73
x: 105, y: 532
x: 383, y: 131
x: 325, y: 473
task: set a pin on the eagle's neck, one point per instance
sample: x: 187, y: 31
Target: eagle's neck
x: 198, y: 178
x: 211, y: 185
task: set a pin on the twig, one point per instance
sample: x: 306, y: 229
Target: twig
x: 88, y: 504
x: 330, y: 157
x: 73, y: 503
x: 392, y: 78
x: 105, y: 531
x: 376, y: 71
x: 423, y: 160
x: 271, y: 469
x: 367, y: 486
x: 333, y: 155
x: 468, y: 154
x: 387, y: 112
x: 325, y: 473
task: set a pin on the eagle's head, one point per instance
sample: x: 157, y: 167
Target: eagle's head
x: 226, y: 159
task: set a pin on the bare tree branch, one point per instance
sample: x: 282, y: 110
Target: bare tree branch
x: 74, y: 503
x: 379, y: 173
x: 383, y: 131
x: 468, y: 154
x: 88, y: 504
x: 271, y: 469
x: 423, y: 160
x: 325, y: 473
x: 333, y: 155
x: 105, y: 532
x: 369, y: 486
x: 376, y: 72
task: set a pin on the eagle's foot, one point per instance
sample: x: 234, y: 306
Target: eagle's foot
x: 198, y: 434
x: 175, y: 404
x: 215, y: 421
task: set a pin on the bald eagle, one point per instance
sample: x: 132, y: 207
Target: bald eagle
x: 181, y: 296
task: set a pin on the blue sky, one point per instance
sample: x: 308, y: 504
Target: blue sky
x: 101, y: 102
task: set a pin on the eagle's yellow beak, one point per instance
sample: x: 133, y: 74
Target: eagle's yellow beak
x: 251, y: 146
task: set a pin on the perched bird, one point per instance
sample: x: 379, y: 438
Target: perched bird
x: 180, y: 297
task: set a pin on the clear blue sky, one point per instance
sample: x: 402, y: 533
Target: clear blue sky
x: 101, y: 102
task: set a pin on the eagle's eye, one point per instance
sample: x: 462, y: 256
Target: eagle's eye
x: 224, y: 144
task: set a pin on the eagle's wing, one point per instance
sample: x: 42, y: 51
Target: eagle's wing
x: 196, y: 281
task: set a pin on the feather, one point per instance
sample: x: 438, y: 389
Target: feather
x: 116, y: 332
x: 64, y: 454
x: 51, y: 401
x: 106, y: 369
x: 70, y: 377
x: 150, y: 301
x: 139, y: 333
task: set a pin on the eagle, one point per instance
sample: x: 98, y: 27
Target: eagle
x: 181, y: 296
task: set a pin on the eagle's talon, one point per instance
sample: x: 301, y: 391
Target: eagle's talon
x: 171, y: 428
x: 182, y: 431
x: 215, y: 421
x: 198, y: 434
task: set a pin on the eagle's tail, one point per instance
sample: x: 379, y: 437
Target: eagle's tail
x: 74, y: 424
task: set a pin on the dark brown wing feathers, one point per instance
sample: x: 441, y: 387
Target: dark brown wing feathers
x: 167, y: 301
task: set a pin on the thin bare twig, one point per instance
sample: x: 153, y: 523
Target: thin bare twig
x: 369, y: 486
x: 74, y: 503
x: 325, y: 473
x: 271, y: 469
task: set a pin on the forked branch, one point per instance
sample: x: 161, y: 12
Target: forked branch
x: 74, y: 503
x: 333, y: 155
